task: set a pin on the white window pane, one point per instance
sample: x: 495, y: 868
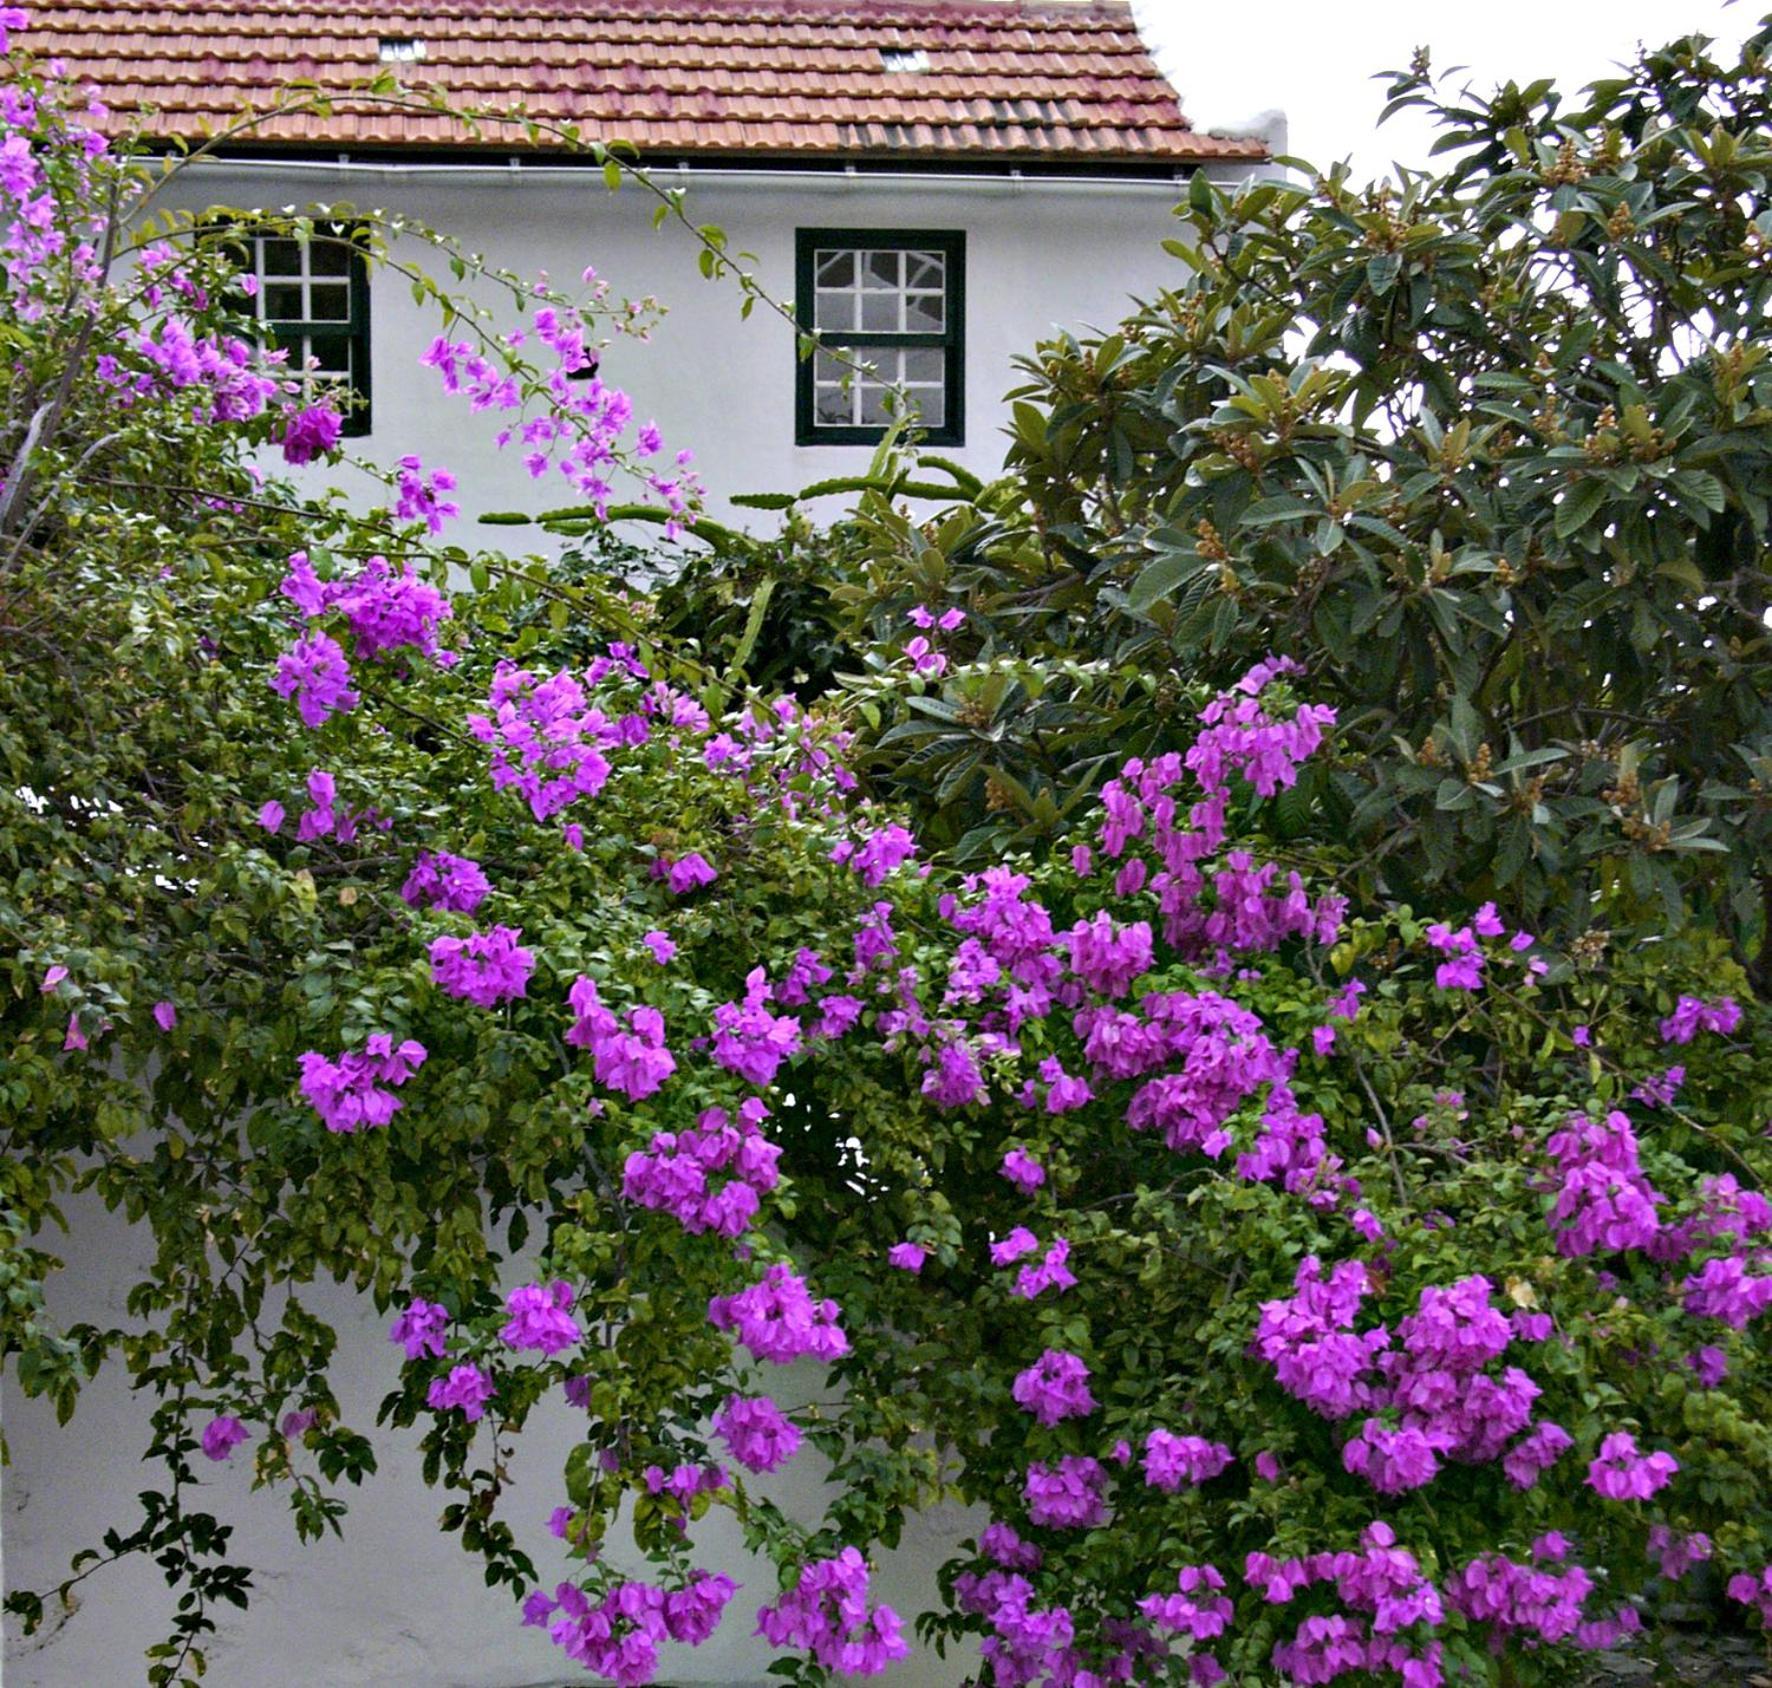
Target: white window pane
x: 880, y: 312
x: 924, y: 269
x: 833, y: 310
x: 929, y: 404
x: 834, y: 269
x: 828, y: 371
x: 925, y: 364
x: 925, y: 313
x: 882, y: 270
x: 874, y: 413
x: 832, y: 407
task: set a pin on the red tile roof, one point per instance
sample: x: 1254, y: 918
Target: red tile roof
x: 1036, y: 80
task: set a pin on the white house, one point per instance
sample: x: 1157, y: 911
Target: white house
x: 940, y: 182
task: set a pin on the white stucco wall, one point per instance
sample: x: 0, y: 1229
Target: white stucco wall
x: 1041, y: 254
x: 395, y: 1604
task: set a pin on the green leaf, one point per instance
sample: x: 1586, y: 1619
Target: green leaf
x: 1160, y: 577
x: 1578, y: 507
x: 752, y: 627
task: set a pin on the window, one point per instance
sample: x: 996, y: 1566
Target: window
x: 313, y: 300
x: 894, y: 299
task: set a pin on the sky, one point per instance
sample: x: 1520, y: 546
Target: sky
x: 1231, y: 59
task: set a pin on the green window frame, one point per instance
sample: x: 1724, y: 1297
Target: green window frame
x: 895, y: 298
x: 312, y: 302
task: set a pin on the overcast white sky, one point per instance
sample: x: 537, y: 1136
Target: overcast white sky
x: 1230, y: 59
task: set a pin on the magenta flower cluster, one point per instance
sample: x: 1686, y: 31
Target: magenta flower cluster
x: 1198, y: 1609
x: 1027, y: 1642
x: 420, y: 496
x: 1052, y: 1270
x: 221, y: 1436
x: 685, y: 873
x: 926, y: 656
x: 485, y: 968
x: 309, y: 432
x: 1430, y: 1379
x: 633, y: 1058
x: 420, y: 1329
x: 386, y: 611
x: 440, y: 880
x: 548, y: 740
x: 682, y: 1483
x: 1535, y: 1602
x: 1383, y: 1594
x: 907, y: 1257
x: 356, y: 1092
x: 1622, y: 1471
x: 580, y: 426
x: 1068, y: 1493
x: 877, y: 855
x: 1174, y: 1462
x: 750, y: 1039
x: 466, y: 1387
x: 221, y: 376
x: 827, y: 1614
x: 316, y: 674
x: 324, y: 817
x: 759, y: 1435
x: 779, y: 1320
x: 539, y: 1319
x: 1755, y: 1590
x: 1604, y: 1201
x: 1693, y: 1015
x: 676, y: 1174
x: 1054, y: 1387
x: 618, y: 1636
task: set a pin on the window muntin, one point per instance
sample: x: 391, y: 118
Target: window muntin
x: 884, y: 292
x: 893, y: 299
x: 313, y: 298
x: 919, y: 370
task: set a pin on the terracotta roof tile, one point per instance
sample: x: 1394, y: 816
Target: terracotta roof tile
x: 1006, y: 78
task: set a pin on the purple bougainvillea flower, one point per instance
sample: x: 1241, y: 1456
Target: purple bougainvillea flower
x: 221, y: 1436
x: 907, y: 1257
x: 1022, y: 1170
x: 310, y: 433
x: 466, y: 1387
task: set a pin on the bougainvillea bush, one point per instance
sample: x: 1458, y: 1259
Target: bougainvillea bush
x: 1305, y: 1291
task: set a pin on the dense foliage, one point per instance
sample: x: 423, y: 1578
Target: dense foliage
x: 468, y: 947
x: 1494, y: 450
x: 1490, y: 451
